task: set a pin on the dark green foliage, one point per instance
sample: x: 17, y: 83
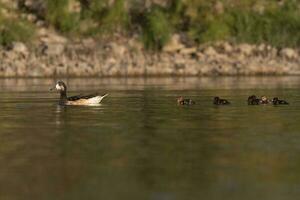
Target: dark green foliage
x: 110, y: 18
x: 11, y: 30
x: 58, y: 15
x: 251, y: 21
x: 156, y: 29
x: 116, y: 18
x: 278, y: 27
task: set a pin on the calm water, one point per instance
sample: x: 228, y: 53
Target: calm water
x: 140, y: 145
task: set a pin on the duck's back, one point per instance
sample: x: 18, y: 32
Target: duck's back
x: 85, y: 99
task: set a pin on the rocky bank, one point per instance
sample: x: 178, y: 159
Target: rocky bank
x: 54, y: 56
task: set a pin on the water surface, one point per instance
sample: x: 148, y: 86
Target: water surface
x: 140, y: 145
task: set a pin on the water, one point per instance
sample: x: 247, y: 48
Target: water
x: 140, y: 145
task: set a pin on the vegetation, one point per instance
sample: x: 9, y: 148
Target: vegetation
x: 252, y: 21
x: 156, y: 29
x: 58, y: 15
x: 12, y: 30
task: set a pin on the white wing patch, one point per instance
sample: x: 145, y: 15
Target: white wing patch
x: 96, y: 100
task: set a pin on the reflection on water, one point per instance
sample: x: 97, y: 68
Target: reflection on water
x: 140, y: 145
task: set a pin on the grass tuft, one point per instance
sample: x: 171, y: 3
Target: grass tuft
x: 156, y: 29
x: 11, y: 31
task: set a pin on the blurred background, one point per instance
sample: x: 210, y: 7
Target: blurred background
x: 154, y: 21
x: 133, y: 31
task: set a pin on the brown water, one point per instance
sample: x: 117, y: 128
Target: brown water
x: 140, y: 145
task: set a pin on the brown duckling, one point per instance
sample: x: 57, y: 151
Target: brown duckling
x: 253, y: 100
x: 218, y: 101
x: 264, y: 100
x: 277, y: 101
x: 182, y: 101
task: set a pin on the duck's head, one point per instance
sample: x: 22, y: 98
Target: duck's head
x: 179, y: 99
x: 216, y: 98
x: 252, y: 97
x: 264, y: 98
x: 275, y: 99
x: 60, y: 86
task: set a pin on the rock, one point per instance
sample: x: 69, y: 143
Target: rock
x: 55, y: 38
x: 259, y: 8
x: 89, y: 43
x: 40, y: 23
x: 188, y: 51
x: 273, y: 52
x: 32, y: 18
x: 74, y: 6
x: 38, y: 7
x: 149, y: 3
x: 210, y: 51
x: 226, y: 47
x: 42, y: 32
x: 288, y: 53
x: 9, y: 3
x: 261, y: 48
x: 51, y: 37
x: 245, y: 49
x: 53, y: 49
x: 117, y: 50
x: 19, y: 47
x: 219, y: 7
x: 6, y: 13
x: 174, y: 44
x: 135, y: 44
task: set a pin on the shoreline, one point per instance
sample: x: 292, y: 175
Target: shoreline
x: 127, y: 58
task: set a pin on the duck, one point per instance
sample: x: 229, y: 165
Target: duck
x: 218, y: 101
x: 182, y: 101
x: 277, y: 101
x: 253, y: 100
x: 264, y: 100
x: 91, y: 99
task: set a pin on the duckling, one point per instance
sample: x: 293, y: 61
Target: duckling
x: 264, y: 100
x: 182, y: 101
x: 218, y: 101
x: 277, y: 101
x: 253, y: 100
x: 91, y: 99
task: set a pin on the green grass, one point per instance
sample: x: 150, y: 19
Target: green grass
x: 58, y: 15
x: 11, y: 31
x: 116, y: 18
x: 250, y: 21
x: 156, y: 29
x: 278, y: 27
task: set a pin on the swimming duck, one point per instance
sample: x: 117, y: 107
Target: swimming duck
x: 264, y: 100
x: 91, y: 99
x: 277, y: 101
x: 253, y: 100
x: 182, y: 101
x: 218, y: 101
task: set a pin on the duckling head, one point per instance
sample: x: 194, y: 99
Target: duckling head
x: 179, y: 99
x: 275, y: 99
x: 264, y: 98
x: 216, y: 100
